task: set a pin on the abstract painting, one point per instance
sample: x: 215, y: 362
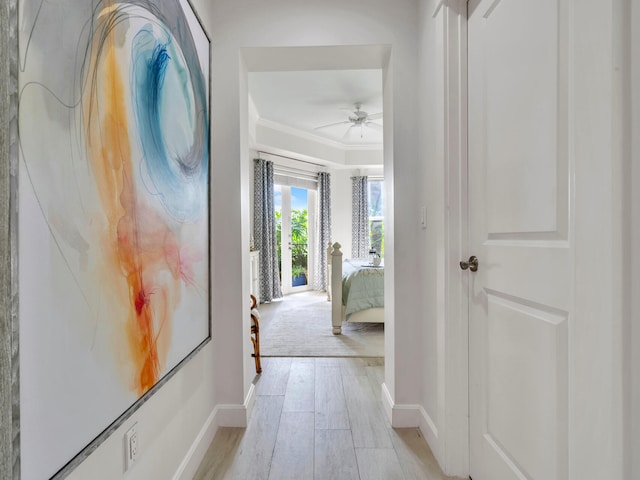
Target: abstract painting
x: 113, y: 214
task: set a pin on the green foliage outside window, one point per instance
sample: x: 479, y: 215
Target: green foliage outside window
x: 376, y: 215
x: 376, y: 232
x: 299, y: 241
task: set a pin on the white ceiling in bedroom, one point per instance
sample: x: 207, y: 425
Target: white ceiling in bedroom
x: 306, y: 100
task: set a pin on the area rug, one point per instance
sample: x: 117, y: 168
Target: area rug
x: 300, y: 326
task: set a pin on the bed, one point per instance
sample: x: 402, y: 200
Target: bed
x: 355, y: 289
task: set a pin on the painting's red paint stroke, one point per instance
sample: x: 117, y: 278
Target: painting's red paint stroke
x: 115, y: 128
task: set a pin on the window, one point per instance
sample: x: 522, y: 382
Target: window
x: 294, y: 212
x: 376, y: 215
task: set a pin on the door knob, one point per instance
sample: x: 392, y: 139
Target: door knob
x: 471, y: 264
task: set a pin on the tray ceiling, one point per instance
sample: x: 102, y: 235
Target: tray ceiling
x: 306, y: 100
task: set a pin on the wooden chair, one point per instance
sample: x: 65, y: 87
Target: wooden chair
x: 255, y: 333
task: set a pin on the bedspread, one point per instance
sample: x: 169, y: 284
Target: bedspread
x: 362, y: 286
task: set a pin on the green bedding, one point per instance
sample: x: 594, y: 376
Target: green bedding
x: 362, y: 286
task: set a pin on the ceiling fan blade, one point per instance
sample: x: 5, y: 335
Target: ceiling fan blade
x: 375, y: 116
x: 332, y: 124
x: 374, y: 125
x: 346, y: 134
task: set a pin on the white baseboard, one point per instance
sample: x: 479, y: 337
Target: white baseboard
x: 430, y: 433
x: 237, y: 415
x: 194, y: 456
x: 387, y: 402
x: 409, y: 416
x: 249, y: 402
x: 221, y: 416
x: 413, y: 416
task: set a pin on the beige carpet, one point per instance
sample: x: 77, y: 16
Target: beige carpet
x: 300, y: 326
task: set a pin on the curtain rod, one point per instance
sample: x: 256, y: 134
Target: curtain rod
x: 291, y: 158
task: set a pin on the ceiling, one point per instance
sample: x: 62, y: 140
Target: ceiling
x: 306, y: 100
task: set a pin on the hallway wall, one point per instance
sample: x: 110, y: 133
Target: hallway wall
x: 286, y: 23
x: 432, y: 152
x: 633, y: 458
x: 221, y: 374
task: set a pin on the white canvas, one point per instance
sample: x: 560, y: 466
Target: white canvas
x: 114, y: 216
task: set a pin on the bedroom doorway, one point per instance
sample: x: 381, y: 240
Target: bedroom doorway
x: 350, y: 84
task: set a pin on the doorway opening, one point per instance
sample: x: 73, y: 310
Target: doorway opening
x: 353, y: 121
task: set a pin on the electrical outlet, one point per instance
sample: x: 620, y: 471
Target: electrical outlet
x: 131, y: 447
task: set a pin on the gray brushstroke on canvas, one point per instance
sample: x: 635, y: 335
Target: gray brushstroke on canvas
x: 9, y: 373
x: 40, y: 24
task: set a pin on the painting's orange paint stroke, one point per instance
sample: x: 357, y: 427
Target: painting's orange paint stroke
x: 109, y: 145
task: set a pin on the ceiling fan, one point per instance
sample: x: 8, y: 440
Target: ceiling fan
x: 357, y: 118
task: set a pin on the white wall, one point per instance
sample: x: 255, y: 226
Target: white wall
x: 341, y: 209
x: 288, y: 23
x: 444, y: 327
x: 432, y: 196
x: 633, y: 368
x: 253, y: 23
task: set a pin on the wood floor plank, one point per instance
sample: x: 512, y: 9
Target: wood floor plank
x: 335, y: 456
x: 294, y: 450
x: 253, y: 458
x: 300, y: 392
x: 367, y: 424
x: 275, y: 375
x: 375, y: 374
x: 374, y: 362
x: 352, y: 367
x: 328, y: 361
x: 378, y: 464
x: 330, y: 405
x: 416, y: 459
x: 218, y: 461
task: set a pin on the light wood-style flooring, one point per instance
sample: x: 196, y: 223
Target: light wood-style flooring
x: 321, y: 419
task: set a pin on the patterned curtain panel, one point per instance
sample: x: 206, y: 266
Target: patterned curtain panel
x: 324, y: 230
x: 264, y: 225
x: 359, y: 218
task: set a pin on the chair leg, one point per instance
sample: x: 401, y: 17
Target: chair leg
x: 255, y: 330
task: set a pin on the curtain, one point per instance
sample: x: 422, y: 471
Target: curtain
x: 323, y: 229
x: 264, y: 226
x: 359, y: 218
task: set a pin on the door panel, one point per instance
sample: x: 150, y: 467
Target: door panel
x: 521, y: 84
x: 519, y: 209
x: 525, y: 390
x: 524, y: 198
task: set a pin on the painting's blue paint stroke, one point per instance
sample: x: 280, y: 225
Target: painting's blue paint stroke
x: 170, y: 106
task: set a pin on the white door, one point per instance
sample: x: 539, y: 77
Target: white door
x: 519, y: 189
x: 295, y: 208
